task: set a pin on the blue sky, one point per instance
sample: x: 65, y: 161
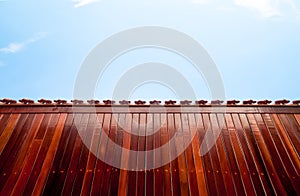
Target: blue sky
x: 254, y: 43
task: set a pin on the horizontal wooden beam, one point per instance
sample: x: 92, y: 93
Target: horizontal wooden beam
x: 36, y: 108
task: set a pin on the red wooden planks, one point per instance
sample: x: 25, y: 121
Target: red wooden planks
x: 141, y: 174
x: 149, y: 159
x: 59, y: 170
x: 123, y: 179
x: 175, y: 179
x: 117, y: 154
x: 91, y: 161
x: 199, y: 167
x: 41, y: 154
x: 9, y: 163
x: 109, y: 127
x: 32, y: 155
x: 190, y: 165
x: 7, y: 156
x: 266, y: 157
x: 239, y: 156
x: 86, y: 137
x: 253, y: 168
x: 202, y: 128
x: 57, y: 152
x: 49, y: 156
x: 255, y: 154
x: 72, y: 170
x: 228, y: 180
x: 182, y: 167
x: 3, y: 122
x: 159, y: 172
x: 292, y: 132
x: 281, y: 157
x: 8, y: 130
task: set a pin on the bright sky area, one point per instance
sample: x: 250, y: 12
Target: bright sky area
x: 254, y: 43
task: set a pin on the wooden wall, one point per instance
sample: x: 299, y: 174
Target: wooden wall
x: 257, y: 153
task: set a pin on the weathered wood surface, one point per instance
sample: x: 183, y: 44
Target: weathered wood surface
x: 256, y: 153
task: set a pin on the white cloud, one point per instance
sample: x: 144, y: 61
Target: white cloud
x: 16, y: 47
x: 293, y: 4
x: 80, y: 3
x: 267, y: 8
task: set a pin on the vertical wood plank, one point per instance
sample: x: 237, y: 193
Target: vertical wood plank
x: 175, y: 179
x: 42, y: 154
x: 150, y: 155
x: 14, y: 139
x: 86, y: 139
x: 158, y: 175
x: 100, y: 167
x: 31, y: 157
x: 110, y: 126
x: 73, y: 170
x: 215, y: 162
x: 191, y: 172
x: 166, y: 170
x: 55, y: 181
x: 54, y: 171
x: 123, y: 188
x: 141, y: 174
x: 291, y: 131
x: 202, y: 126
x: 254, y: 149
x: 257, y: 180
x: 131, y: 189
x: 231, y: 157
x: 240, y: 158
x: 3, y: 122
x: 274, y: 178
x: 92, y: 159
x: 297, y: 116
x: 295, y: 127
x: 117, y: 154
x: 23, y: 179
x: 287, y: 142
x: 7, y: 157
x: 281, y: 154
x: 199, y: 167
x: 184, y: 184
x: 41, y: 132
x: 23, y: 155
x: 49, y: 156
x: 8, y: 131
x: 279, y: 166
x: 228, y: 181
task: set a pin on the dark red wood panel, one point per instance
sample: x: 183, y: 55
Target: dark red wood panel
x: 50, y: 150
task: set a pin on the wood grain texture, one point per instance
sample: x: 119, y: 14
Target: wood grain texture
x: 52, y: 151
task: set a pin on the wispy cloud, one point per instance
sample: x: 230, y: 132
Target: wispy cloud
x: 270, y: 8
x: 18, y: 46
x: 267, y: 8
x: 80, y: 3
